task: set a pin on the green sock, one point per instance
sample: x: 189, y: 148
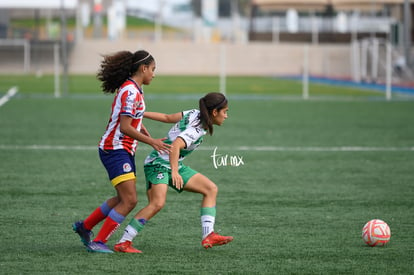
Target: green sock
x: 132, y: 230
x: 138, y: 225
x: 211, y: 211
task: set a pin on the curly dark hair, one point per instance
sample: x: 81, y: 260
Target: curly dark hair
x: 117, y: 67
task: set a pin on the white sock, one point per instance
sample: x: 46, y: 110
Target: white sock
x: 129, y: 234
x: 207, y: 224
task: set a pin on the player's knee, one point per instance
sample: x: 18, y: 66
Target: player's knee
x: 131, y: 203
x: 157, y: 206
x: 212, y: 190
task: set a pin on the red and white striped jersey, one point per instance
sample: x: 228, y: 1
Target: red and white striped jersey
x: 129, y: 101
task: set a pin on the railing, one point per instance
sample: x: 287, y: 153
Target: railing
x: 321, y: 24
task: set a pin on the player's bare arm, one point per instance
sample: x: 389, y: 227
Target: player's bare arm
x: 167, y: 118
x: 144, y: 130
x: 127, y: 129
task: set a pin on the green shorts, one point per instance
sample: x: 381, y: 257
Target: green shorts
x: 157, y: 174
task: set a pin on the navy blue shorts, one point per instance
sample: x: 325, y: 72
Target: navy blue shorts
x: 119, y: 164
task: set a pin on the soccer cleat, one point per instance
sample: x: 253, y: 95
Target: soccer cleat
x: 214, y: 239
x: 98, y: 247
x: 126, y: 247
x: 83, y: 233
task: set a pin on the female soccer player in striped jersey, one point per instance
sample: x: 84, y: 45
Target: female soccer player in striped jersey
x: 123, y: 74
x: 163, y: 170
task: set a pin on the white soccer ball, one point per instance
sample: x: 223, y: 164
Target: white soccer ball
x: 376, y: 233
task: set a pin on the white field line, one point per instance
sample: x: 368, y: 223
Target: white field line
x: 224, y: 148
x: 10, y: 93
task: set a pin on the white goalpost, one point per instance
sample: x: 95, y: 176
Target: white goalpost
x: 56, y: 70
x: 305, y: 76
x: 26, y: 50
x: 366, y: 62
x: 25, y: 44
x: 388, y: 70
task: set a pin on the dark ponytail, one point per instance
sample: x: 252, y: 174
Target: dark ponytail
x: 116, y: 68
x: 208, y: 103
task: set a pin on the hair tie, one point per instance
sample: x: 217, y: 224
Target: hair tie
x: 139, y: 61
x: 217, y: 105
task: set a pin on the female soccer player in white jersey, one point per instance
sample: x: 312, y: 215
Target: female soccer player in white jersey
x: 122, y: 73
x: 163, y: 170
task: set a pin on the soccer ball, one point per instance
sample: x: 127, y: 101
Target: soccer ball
x: 376, y: 233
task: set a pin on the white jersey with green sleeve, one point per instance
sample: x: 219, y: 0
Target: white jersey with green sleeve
x: 190, y: 130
